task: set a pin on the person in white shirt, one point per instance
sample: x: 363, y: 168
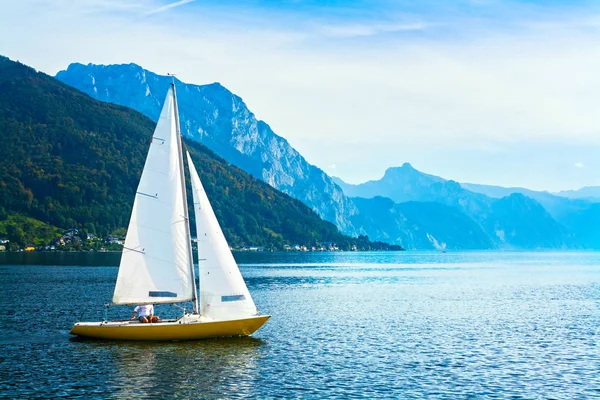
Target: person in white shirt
x: 145, y: 313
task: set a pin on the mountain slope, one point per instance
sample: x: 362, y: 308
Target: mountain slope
x: 588, y: 192
x: 212, y: 115
x: 558, y: 206
x: 399, y: 184
x: 420, y: 225
x: 585, y: 225
x: 69, y: 160
x: 499, y: 191
x: 522, y: 222
x: 514, y: 221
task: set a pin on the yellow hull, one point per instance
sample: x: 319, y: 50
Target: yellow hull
x: 166, y: 331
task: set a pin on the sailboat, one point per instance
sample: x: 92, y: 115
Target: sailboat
x: 157, y: 263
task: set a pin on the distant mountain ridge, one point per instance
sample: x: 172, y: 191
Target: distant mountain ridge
x: 587, y: 192
x: 510, y: 217
x: 421, y: 225
x: 399, y: 184
x: 500, y: 191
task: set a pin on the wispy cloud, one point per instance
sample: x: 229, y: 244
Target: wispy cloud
x: 578, y: 164
x: 167, y: 7
x: 369, y: 29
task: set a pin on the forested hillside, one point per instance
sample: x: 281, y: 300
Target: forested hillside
x: 70, y: 161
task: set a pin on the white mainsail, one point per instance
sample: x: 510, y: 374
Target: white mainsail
x: 223, y: 292
x: 156, y: 265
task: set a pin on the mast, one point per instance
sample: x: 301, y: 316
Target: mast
x: 185, y: 205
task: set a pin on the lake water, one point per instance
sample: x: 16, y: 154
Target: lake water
x: 359, y: 325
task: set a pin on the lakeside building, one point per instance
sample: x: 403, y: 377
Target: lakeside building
x: 253, y: 248
x: 111, y: 239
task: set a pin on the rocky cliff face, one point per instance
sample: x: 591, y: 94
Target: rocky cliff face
x: 420, y: 225
x: 219, y: 119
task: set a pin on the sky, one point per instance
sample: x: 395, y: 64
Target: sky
x: 480, y: 91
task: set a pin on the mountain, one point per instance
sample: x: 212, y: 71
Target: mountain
x: 500, y: 191
x: 574, y: 210
x: 402, y: 184
x: 591, y: 193
x: 399, y: 184
x: 585, y: 224
x: 69, y: 160
x: 560, y: 208
x: 421, y: 225
x: 520, y: 221
x: 212, y: 115
x: 513, y: 221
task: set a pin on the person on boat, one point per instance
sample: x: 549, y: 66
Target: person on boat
x: 145, y: 313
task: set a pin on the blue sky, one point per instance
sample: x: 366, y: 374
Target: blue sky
x: 483, y: 91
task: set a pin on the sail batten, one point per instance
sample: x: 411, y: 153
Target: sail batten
x: 223, y: 292
x: 158, y: 225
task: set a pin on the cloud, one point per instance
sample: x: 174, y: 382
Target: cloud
x: 332, y: 166
x: 168, y: 7
x: 369, y: 29
x: 578, y: 164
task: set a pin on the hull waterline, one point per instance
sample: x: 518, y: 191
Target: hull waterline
x: 168, y: 331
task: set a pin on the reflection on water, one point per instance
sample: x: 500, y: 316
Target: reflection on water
x: 60, y: 258
x: 346, y: 325
x: 206, y: 368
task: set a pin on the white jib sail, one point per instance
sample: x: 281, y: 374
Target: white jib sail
x: 223, y: 292
x: 156, y: 265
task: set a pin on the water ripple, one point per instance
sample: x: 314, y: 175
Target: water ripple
x: 366, y: 325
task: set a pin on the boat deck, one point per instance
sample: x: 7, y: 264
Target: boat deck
x: 188, y: 327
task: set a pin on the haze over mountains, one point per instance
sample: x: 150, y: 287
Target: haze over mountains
x: 405, y: 207
x: 587, y: 192
x: 516, y: 217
